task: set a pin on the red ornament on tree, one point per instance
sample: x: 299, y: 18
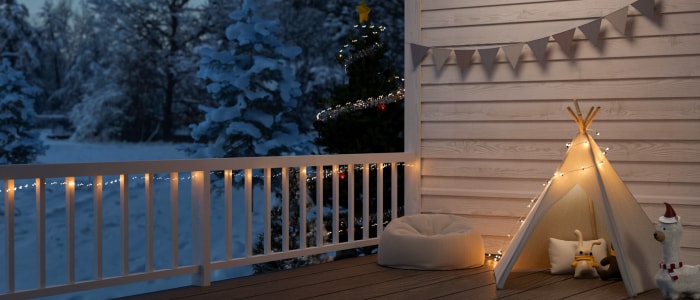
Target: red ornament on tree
x: 381, y: 107
x: 341, y: 176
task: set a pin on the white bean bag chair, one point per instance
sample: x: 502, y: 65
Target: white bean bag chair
x: 430, y: 242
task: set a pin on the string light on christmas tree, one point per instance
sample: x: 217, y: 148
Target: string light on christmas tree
x: 333, y: 112
x: 368, y: 45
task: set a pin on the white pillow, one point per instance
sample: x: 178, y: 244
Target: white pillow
x: 561, y: 254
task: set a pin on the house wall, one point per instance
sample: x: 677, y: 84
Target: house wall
x: 488, y: 142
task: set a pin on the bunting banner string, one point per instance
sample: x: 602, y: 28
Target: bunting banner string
x: 538, y: 47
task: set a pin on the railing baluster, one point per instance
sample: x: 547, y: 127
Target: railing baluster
x: 335, y: 190
x: 351, y: 202
x: 228, y: 208
x: 302, y: 207
x: 124, y: 205
x: 319, y: 206
x: 148, y: 180
x: 41, y: 230
x: 174, y: 184
x: 394, y: 192
x: 268, y: 204
x: 365, y: 201
x: 70, y: 228
x: 201, y: 234
x: 248, y: 211
x: 285, y: 210
x: 380, y: 197
x: 97, y: 213
x: 10, y: 234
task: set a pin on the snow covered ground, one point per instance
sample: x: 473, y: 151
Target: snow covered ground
x: 64, y: 151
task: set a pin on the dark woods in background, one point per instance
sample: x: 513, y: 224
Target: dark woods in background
x: 126, y: 70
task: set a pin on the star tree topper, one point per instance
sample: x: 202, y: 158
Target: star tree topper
x: 364, y: 10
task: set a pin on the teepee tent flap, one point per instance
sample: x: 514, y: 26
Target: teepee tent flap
x: 586, y: 193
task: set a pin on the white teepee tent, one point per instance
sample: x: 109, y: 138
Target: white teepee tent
x: 586, y: 193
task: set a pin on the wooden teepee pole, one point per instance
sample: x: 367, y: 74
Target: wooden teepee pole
x: 589, y: 120
x: 576, y: 116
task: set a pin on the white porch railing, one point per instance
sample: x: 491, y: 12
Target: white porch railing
x: 159, y: 204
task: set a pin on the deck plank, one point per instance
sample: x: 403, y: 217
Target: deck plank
x: 363, y: 278
x: 390, y: 288
x: 567, y: 287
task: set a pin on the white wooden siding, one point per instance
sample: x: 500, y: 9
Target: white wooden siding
x: 488, y: 142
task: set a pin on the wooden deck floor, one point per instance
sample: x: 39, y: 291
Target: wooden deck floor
x: 362, y: 278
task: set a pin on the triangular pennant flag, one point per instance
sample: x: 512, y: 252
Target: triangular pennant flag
x: 565, y: 39
x: 488, y: 56
x: 646, y: 7
x: 618, y: 19
x: 418, y: 52
x: 440, y: 56
x: 513, y: 53
x: 464, y: 57
x: 539, y: 47
x: 591, y: 31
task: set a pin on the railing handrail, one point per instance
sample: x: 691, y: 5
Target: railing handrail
x: 29, y: 171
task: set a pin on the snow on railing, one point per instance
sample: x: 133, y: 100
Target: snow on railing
x: 126, y: 222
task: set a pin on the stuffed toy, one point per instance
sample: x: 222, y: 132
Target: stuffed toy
x: 674, y: 279
x: 584, y: 264
x: 613, y: 271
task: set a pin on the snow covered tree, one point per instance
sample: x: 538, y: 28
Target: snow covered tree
x: 151, y: 45
x: 57, y: 51
x: 255, y: 92
x: 95, y: 80
x: 100, y: 116
x: 19, y: 141
x: 17, y: 42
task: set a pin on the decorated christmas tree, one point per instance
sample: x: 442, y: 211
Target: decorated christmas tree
x: 365, y: 113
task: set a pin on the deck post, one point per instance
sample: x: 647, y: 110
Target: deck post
x: 412, y: 110
x: 200, y: 228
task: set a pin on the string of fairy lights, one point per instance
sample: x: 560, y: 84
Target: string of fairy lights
x: 521, y: 220
x: 350, y: 58
x: 311, y: 177
x: 333, y: 112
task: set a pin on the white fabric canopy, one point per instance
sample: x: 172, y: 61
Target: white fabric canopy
x: 586, y: 194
